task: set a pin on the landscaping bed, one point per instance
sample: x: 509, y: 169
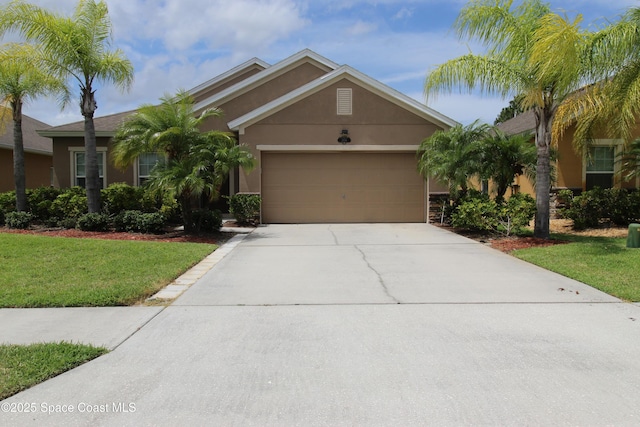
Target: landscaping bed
x: 173, y: 236
x: 556, y: 226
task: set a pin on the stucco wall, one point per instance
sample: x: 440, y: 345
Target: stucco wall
x: 314, y: 121
x: 37, y: 170
x: 263, y: 94
x: 62, y: 162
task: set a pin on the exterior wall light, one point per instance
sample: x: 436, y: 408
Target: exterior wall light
x: 344, y: 137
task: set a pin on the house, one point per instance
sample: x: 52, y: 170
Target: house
x: 596, y: 167
x: 333, y: 144
x: 38, y: 154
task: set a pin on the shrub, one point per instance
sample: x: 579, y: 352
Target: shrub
x: 152, y: 222
x: 137, y: 221
x: 93, y: 222
x: 7, y: 204
x: 517, y: 213
x: 67, y: 223
x: 72, y: 203
x: 592, y: 207
x: 622, y: 207
x: 245, y: 207
x: 127, y: 221
x: 586, y: 209
x: 40, y: 201
x: 477, y: 214
x: 20, y: 220
x: 206, y: 221
x: 120, y: 197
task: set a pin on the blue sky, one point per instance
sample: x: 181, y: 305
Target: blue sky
x: 177, y: 44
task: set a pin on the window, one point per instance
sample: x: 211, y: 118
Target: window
x: 600, y: 166
x: 79, y: 176
x: 345, y: 107
x: 146, y: 163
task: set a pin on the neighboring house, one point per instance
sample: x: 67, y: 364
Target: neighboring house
x: 333, y: 144
x: 38, y: 155
x: 596, y: 167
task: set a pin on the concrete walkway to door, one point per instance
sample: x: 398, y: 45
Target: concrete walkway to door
x: 377, y: 324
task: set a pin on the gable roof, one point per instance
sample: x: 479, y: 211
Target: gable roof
x: 270, y: 73
x: 355, y: 76
x: 253, y: 63
x: 33, y: 143
x: 106, y: 125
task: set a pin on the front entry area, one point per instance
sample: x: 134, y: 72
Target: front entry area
x: 341, y: 187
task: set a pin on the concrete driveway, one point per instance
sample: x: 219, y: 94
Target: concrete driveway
x: 364, y: 325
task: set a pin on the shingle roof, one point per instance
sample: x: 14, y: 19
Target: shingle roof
x: 33, y: 143
x: 525, y: 122
x: 105, y: 126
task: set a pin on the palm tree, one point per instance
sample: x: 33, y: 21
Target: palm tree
x: 530, y: 52
x: 196, y: 164
x: 20, y: 81
x: 450, y: 156
x: 76, y: 47
x: 503, y: 157
x: 612, y: 104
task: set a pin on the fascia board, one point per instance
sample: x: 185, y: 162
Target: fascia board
x: 401, y: 99
x: 230, y: 73
x: 68, y: 133
x: 28, y: 150
x: 356, y: 77
x: 255, y: 80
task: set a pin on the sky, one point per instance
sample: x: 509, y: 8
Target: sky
x: 178, y: 44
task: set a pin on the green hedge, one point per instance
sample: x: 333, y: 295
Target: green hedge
x: 592, y: 208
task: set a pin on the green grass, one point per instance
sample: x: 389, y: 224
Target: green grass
x: 24, y: 366
x: 602, y: 262
x: 39, y: 271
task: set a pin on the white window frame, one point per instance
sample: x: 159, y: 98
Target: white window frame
x: 136, y: 171
x: 617, y: 146
x: 72, y: 164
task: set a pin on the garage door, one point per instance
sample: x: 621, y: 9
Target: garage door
x: 341, y: 187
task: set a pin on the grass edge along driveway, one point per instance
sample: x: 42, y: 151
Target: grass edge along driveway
x: 604, y: 263
x: 42, y: 271
x: 23, y: 366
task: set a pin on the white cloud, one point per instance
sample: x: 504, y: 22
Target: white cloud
x: 241, y: 25
x: 360, y: 28
x: 404, y: 13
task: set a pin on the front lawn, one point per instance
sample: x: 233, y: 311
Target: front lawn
x: 602, y: 262
x: 40, y: 271
x: 24, y: 366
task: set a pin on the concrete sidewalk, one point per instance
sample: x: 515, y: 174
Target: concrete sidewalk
x: 379, y: 324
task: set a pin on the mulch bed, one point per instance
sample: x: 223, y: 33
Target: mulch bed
x: 504, y: 243
x: 508, y: 244
x: 173, y: 236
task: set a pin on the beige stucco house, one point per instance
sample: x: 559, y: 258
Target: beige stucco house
x: 38, y: 154
x: 333, y: 144
x: 597, y: 166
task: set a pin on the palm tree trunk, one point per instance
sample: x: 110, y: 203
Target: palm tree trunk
x: 92, y: 180
x: 19, y: 175
x: 543, y: 172
x: 187, y: 213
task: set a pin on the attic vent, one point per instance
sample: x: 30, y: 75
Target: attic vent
x: 344, y: 102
